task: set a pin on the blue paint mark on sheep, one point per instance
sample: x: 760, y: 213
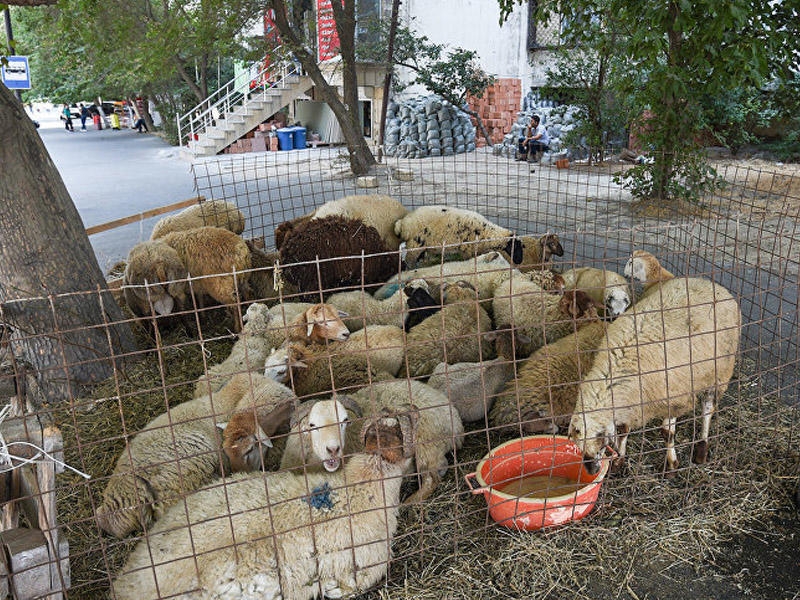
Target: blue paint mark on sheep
x: 321, y: 497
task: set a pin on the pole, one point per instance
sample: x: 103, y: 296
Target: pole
x: 387, y: 80
x: 10, y: 41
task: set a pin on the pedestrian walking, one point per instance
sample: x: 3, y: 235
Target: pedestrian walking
x: 84, y: 116
x: 67, y: 118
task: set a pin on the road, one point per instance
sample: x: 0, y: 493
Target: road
x: 112, y: 174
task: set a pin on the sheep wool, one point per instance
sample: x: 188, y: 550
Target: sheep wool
x: 655, y: 359
x: 324, y: 255
x: 154, y: 276
x: 376, y: 210
x: 279, y: 535
x: 218, y: 261
x: 455, y: 334
x: 472, y: 387
x: 541, y: 399
x: 213, y: 213
x: 428, y: 230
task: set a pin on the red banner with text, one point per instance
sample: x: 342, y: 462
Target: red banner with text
x: 327, y: 38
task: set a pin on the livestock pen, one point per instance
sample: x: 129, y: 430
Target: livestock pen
x: 725, y: 529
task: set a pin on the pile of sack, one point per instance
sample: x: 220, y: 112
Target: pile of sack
x: 427, y: 126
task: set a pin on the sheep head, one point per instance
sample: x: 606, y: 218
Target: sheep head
x: 514, y: 249
x: 324, y: 322
x: 257, y: 318
x: 645, y: 268
x: 593, y: 431
x: 550, y: 246
x: 282, y: 360
x: 154, y: 275
x: 617, y: 300
x: 577, y: 304
x: 246, y: 435
x: 244, y: 441
x: 325, y: 423
x: 458, y: 292
x: 392, y: 434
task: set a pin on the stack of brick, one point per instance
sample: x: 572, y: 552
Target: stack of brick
x: 427, y: 126
x: 498, y: 108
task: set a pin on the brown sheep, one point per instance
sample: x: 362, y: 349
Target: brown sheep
x: 340, y: 239
x: 211, y: 256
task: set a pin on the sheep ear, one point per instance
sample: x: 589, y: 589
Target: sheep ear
x: 222, y: 426
x: 350, y: 404
x: 342, y: 314
x: 298, y: 364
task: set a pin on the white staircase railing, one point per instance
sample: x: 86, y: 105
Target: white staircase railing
x: 237, y: 92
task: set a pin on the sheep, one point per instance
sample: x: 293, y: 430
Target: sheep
x: 320, y: 435
x: 654, y: 360
x: 217, y: 260
x: 454, y: 334
x: 179, y: 451
x: 526, y: 317
x: 338, y: 244
x: 215, y: 213
x: 154, y: 277
x: 306, y: 323
x: 313, y: 370
x: 420, y: 305
x: 377, y: 210
x: 607, y: 288
x: 542, y: 397
x: 465, y: 232
x: 280, y: 535
x: 538, y: 253
x: 248, y: 354
x: 284, y: 230
x: 363, y: 309
x: 483, y: 272
x: 383, y: 347
x: 439, y: 430
x: 645, y: 268
x: 472, y: 387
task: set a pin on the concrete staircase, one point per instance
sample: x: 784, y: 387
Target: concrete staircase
x: 233, y: 111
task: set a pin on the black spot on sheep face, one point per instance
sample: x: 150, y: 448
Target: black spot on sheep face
x: 514, y: 249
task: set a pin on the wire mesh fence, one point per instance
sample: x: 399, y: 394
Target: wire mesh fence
x: 214, y: 462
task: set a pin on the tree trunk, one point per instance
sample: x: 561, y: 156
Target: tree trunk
x: 481, y: 127
x: 52, y: 291
x: 361, y: 157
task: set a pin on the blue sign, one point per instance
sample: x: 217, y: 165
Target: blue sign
x: 15, y: 73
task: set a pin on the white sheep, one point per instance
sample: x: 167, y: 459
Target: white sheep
x: 542, y: 397
x: 364, y: 309
x: 607, y: 288
x: 306, y: 323
x: 314, y: 370
x: 216, y: 213
x: 472, y: 387
x: 320, y: 436
x: 483, y: 272
x: 248, y: 354
x: 455, y: 334
x: 280, y: 536
x: 179, y: 451
x: 644, y: 268
x: 378, y: 210
x: 462, y: 232
x: 527, y: 317
x: 655, y: 359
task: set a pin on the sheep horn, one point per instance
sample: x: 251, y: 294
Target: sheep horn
x: 350, y: 404
x: 300, y: 413
x: 409, y: 421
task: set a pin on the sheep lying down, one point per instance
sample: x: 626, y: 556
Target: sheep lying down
x: 278, y: 535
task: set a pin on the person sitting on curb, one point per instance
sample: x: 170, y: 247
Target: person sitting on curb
x: 535, y: 143
x: 140, y: 126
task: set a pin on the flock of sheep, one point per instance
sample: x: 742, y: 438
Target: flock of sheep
x: 370, y: 338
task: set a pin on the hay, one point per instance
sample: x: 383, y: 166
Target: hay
x: 448, y: 547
